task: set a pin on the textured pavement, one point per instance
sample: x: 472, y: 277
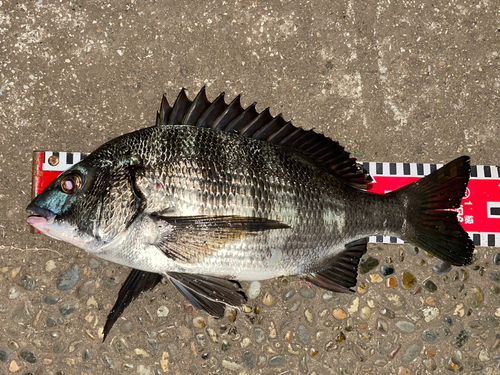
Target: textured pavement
x: 405, y: 81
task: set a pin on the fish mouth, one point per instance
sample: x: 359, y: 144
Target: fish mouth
x: 38, y: 215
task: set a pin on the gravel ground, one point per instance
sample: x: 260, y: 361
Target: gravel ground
x: 405, y: 81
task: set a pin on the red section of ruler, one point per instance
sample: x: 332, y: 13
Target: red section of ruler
x: 48, y: 177
x: 472, y: 214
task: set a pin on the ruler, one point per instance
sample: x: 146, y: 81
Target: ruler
x: 479, y: 213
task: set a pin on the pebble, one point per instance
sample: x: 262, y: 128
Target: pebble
x: 387, y: 270
x: 254, y: 290
x: 28, y: 356
x: 330, y: 345
x: 245, y: 342
x: 339, y: 314
x: 387, y: 313
x: 430, y: 313
x: 13, y: 293
x: 162, y: 311
x: 212, y: 334
x: 93, y: 263
x: 391, y: 282
x: 199, y: 322
x: 153, y: 345
x: 259, y: 335
x: 382, y: 325
x: 431, y: 301
x: 376, y: 278
x: 448, y: 320
x: 340, y: 337
x: 287, y: 294
x: 442, y: 267
x: 454, y: 365
x: 141, y: 353
x: 50, y: 265
x: 14, y: 367
x: 231, y: 314
x: 204, y: 356
x: 231, y: 365
x: 408, y: 280
x: 365, y: 313
x: 460, y: 339
x: 68, y: 309
x: 429, y: 335
x: 354, y: 306
x: 412, y: 352
x: 367, y: 264
x: 309, y: 316
x: 307, y: 292
x: 405, y: 326
x: 201, y: 339
x: 483, y: 356
x: 49, y: 300
x: 108, y: 362
x: 295, y: 306
x: 429, y: 286
x: 268, y: 299
x: 303, y: 334
x: 475, y: 297
x: 328, y: 297
x: 13, y: 345
x: 68, y: 279
x: 4, y: 355
x: 225, y: 345
x: 276, y: 361
x: 496, y: 259
x: 27, y: 282
x: 249, y: 359
x: 430, y: 364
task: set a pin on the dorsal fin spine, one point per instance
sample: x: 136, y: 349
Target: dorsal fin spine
x: 233, y: 110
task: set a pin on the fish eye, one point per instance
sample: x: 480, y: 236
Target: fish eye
x: 71, y: 183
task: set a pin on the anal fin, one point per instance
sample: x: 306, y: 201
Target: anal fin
x: 342, y: 273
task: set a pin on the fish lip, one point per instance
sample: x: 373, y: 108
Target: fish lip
x: 38, y: 215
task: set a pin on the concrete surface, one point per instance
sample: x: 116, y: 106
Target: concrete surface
x: 407, y: 81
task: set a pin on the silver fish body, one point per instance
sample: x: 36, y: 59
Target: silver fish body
x: 189, y: 171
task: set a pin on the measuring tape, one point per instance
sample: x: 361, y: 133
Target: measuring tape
x: 479, y: 213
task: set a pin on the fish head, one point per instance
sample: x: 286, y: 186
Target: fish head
x: 89, y: 205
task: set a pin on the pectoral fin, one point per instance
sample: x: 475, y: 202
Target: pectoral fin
x: 342, y: 273
x: 136, y: 283
x: 191, y: 238
x: 208, y: 293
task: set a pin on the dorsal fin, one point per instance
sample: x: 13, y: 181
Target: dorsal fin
x: 249, y: 123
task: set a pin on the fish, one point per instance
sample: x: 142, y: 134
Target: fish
x: 215, y: 193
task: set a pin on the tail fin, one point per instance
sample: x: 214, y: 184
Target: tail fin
x: 428, y: 225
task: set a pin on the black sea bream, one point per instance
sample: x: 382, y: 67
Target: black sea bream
x: 214, y: 193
